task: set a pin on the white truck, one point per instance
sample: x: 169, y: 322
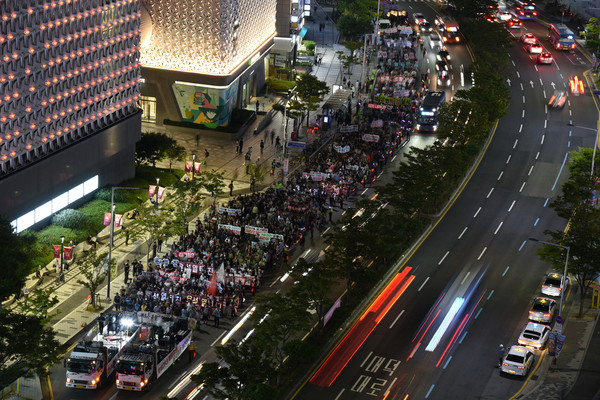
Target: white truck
x: 154, y: 350
x: 92, y: 362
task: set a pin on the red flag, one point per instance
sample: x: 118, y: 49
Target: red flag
x: 197, y: 167
x: 56, y: 251
x: 188, y: 166
x: 67, y: 253
x: 212, y: 286
x: 118, y: 220
x: 151, y: 191
x: 106, y: 219
x: 161, y: 191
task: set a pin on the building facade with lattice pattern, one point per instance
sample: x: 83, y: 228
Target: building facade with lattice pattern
x: 201, y: 60
x: 69, y: 114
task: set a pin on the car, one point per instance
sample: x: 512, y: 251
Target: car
x: 558, y: 100
x: 517, y: 361
x: 576, y: 86
x: 443, y: 78
x: 425, y: 27
x: 435, y: 41
x: 542, y: 310
x: 442, y: 55
x: 492, y: 18
x: 503, y: 15
x: 534, y: 48
x: 534, y: 335
x: 545, y: 58
x: 419, y: 18
x: 528, y: 38
x: 514, y: 23
x: 441, y: 65
x: 552, y: 285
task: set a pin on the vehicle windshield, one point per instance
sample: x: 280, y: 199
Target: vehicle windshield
x: 531, y: 335
x: 515, y: 358
x: 81, y: 366
x: 541, y: 307
x: 552, y: 281
x: 130, y: 368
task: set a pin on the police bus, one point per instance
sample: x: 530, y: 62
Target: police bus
x: 561, y: 37
x: 427, y: 118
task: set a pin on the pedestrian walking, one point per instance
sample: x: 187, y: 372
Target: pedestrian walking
x: 126, y: 235
x: 237, y: 147
x: 231, y: 188
x: 197, y: 140
x: 262, y: 146
x: 330, y: 214
x: 272, y: 136
x: 117, y: 302
x: 257, y: 105
x: 241, y: 145
x: 217, y: 316
x: 206, y: 153
x: 154, y: 248
x: 126, y: 269
x: 101, y: 321
x: 341, y: 202
x: 500, y: 355
x: 160, y: 242
x: 277, y: 143
x: 191, y: 352
x: 273, y: 166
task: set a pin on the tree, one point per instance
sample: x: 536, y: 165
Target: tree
x: 153, y: 147
x: 92, y: 269
x: 313, y: 282
x: 186, y: 197
x: 278, y: 318
x: 352, y: 27
x: 151, y: 225
x: 175, y: 153
x: 15, y: 251
x: 310, y: 92
x: 348, y: 60
x: 27, y: 344
x: 592, y: 36
x: 243, y: 373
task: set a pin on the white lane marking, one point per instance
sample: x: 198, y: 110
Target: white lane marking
x: 523, y: 114
x: 543, y: 137
x: 516, y: 141
x: 522, y: 186
x: 523, y: 99
x: 465, y: 278
x: 447, y: 362
x: 537, y: 155
x: 521, y: 84
x: 340, y: 395
x: 478, y: 312
x: 391, y: 385
x: 545, y: 124
x: 393, y: 158
x: 505, y: 271
x: 443, y: 258
x: 363, y: 192
x: 536, y: 222
x: 519, y: 75
x: 501, y: 173
x: 544, y: 98
x: 520, y: 128
x: 479, y: 209
x: 522, y: 245
x: 546, y: 107
x: 463, y: 232
x: 414, y: 351
x: 513, y: 62
x: 541, y: 83
x: 498, y: 228
x: 570, y: 114
x: 490, y: 295
x: 546, y: 202
x: 560, y: 171
x: 398, y: 317
x: 217, y: 339
x: 423, y: 284
x: 508, y: 159
x: 490, y: 193
x: 511, y: 206
x: 482, y: 251
x: 530, y: 170
x: 378, y: 176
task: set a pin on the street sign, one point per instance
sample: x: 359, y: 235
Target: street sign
x: 559, y: 319
x: 596, y: 92
x: 298, y: 145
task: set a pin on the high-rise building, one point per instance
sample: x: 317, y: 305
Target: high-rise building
x: 69, y: 119
x: 202, y: 59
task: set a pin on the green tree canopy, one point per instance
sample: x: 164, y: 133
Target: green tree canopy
x: 15, y: 251
x: 592, y: 36
x: 153, y: 147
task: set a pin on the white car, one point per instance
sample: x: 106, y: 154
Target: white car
x: 534, y: 335
x: 435, y: 41
x: 542, y: 310
x: 419, y: 18
x: 534, y: 48
x: 517, y: 361
x: 552, y: 286
x: 503, y: 15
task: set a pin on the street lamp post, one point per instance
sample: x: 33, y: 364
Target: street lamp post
x: 193, y: 165
x: 62, y: 252
x: 285, y: 137
x: 564, y: 277
x: 156, y: 193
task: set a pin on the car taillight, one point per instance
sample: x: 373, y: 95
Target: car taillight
x: 505, y: 364
x: 531, y: 312
x: 547, y: 315
x: 573, y: 46
x: 544, y: 287
x: 534, y: 14
x: 558, y: 45
x: 521, y: 367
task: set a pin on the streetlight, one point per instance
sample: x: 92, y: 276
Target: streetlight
x: 375, y: 38
x: 562, y: 282
x: 285, y: 141
x: 62, y: 252
x: 193, y: 165
x: 156, y: 193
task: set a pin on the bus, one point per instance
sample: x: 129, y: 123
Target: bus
x: 448, y: 28
x: 561, y: 37
x: 427, y: 118
x: 525, y: 9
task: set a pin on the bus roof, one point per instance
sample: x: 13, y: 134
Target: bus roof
x: 562, y: 28
x: 447, y: 20
x: 433, y: 99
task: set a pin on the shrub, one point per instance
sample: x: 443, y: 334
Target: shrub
x: 281, y: 86
x: 95, y: 209
x: 309, y: 45
x: 72, y: 219
x: 121, y: 196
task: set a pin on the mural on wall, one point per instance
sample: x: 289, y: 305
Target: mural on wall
x: 208, y: 106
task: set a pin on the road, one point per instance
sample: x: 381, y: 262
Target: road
x: 468, y: 286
